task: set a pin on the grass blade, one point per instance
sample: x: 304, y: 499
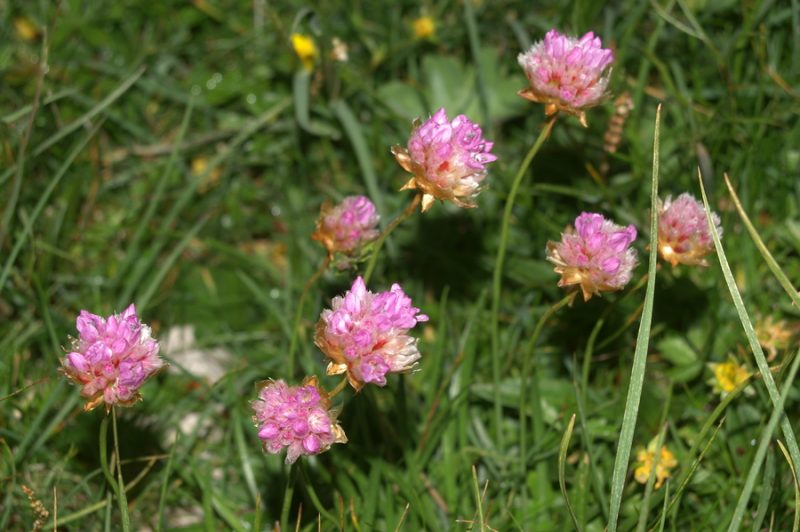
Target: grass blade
x: 761, y: 451
x: 771, y: 262
x: 747, y: 325
x: 640, y: 354
x: 37, y: 210
x: 562, y: 461
x: 354, y: 132
x: 796, y: 523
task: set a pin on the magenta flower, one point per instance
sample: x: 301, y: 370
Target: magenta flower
x: 345, y: 228
x: 112, y: 358
x: 683, y: 233
x: 297, y: 418
x: 447, y: 159
x: 595, y: 255
x: 366, y: 335
x: 567, y: 74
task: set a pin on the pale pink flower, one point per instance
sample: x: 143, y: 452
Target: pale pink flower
x: 595, y: 255
x: 346, y: 227
x: 297, y: 418
x: 366, y: 335
x: 446, y: 158
x: 567, y: 74
x: 683, y: 233
x: 112, y: 358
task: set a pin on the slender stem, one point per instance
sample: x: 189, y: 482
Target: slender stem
x: 538, y: 424
x: 338, y: 389
x: 121, y: 497
x: 409, y: 210
x: 287, y: 497
x: 498, y: 273
x: 298, y: 314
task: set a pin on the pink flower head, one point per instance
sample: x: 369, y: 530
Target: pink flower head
x: 596, y: 255
x: 112, y: 358
x: 346, y: 227
x: 446, y: 158
x: 683, y: 233
x: 567, y: 74
x: 297, y: 418
x: 366, y: 335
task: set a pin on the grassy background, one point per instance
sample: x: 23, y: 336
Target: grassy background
x: 105, y: 201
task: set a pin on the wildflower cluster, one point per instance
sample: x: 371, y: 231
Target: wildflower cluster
x: 447, y: 159
x: 296, y: 418
x: 111, y: 358
x: 595, y: 255
x: 367, y: 336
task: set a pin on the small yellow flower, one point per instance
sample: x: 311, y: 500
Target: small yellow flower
x: 727, y: 376
x: 424, y: 27
x: 305, y: 49
x: 25, y: 29
x: 645, y: 459
x: 200, y: 167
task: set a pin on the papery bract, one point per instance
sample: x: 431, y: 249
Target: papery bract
x: 297, y: 418
x: 348, y: 226
x: 683, y: 233
x: 111, y: 358
x: 567, y: 74
x: 446, y: 158
x: 594, y: 255
x: 366, y: 335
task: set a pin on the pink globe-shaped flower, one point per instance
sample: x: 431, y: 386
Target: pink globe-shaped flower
x: 346, y: 227
x: 446, y: 158
x: 567, y: 74
x: 683, y: 233
x: 297, y: 418
x: 365, y: 335
x: 112, y: 358
x: 595, y: 255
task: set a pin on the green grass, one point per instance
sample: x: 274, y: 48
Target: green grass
x: 514, y: 420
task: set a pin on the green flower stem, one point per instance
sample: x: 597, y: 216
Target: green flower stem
x: 498, y: 272
x: 409, y: 210
x: 298, y: 314
x: 121, y: 497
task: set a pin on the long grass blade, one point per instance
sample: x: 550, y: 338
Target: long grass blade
x: 747, y: 325
x: 776, y: 270
x: 640, y: 354
x: 562, y: 461
x: 761, y: 450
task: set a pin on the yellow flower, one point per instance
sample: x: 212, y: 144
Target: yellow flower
x: 25, y: 29
x: 200, y: 167
x: 424, y: 27
x: 305, y: 49
x: 645, y: 459
x: 727, y: 376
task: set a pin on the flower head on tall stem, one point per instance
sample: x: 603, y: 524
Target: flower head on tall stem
x: 112, y: 358
x: 683, y: 233
x: 446, y: 158
x: 366, y: 335
x: 298, y: 418
x: 567, y: 74
x: 594, y: 255
x: 347, y: 227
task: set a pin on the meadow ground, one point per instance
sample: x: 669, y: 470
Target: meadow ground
x: 176, y: 154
